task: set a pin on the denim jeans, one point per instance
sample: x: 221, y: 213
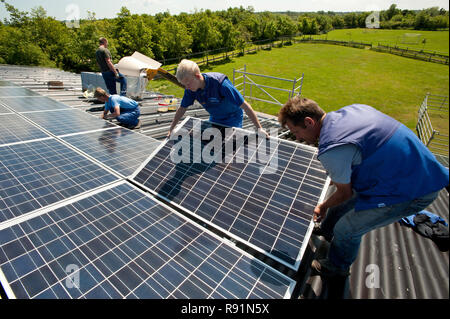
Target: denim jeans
x: 347, y: 226
x: 129, y: 119
x: 110, y: 81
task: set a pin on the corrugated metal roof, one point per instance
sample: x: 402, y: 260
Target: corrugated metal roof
x: 410, y: 266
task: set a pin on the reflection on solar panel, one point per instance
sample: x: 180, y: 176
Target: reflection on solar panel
x: 67, y: 121
x: 4, y: 110
x: 120, y: 243
x: 271, y: 211
x: 36, y: 174
x: 13, y: 129
x: 120, y: 149
x: 16, y: 91
x: 32, y: 103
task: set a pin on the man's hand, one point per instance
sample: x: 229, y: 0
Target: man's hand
x: 262, y: 132
x: 319, y: 213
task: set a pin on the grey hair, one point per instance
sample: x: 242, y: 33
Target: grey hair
x: 186, y: 68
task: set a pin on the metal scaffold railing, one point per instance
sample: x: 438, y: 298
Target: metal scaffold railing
x: 432, y: 123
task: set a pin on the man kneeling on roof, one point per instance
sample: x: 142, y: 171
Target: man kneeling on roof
x: 125, y: 110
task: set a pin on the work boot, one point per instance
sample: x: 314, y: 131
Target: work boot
x: 137, y: 126
x: 325, y: 268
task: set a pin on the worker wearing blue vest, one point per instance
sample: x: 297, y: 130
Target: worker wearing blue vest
x: 215, y: 92
x: 381, y: 170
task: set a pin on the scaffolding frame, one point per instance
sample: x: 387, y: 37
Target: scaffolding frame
x: 432, y: 106
x: 241, y: 78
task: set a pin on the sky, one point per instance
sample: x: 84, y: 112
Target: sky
x: 74, y: 9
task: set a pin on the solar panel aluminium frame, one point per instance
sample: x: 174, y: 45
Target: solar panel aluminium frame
x: 10, y: 294
x: 308, y: 233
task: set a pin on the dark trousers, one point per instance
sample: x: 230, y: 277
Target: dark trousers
x: 110, y: 81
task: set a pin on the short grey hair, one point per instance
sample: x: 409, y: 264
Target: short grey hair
x: 186, y: 68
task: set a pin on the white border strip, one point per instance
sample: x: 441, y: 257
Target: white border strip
x: 5, y: 284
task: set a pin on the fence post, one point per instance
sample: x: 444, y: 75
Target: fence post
x: 291, y: 95
x: 245, y: 70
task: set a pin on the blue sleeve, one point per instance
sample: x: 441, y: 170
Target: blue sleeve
x: 188, y: 99
x: 338, y: 162
x: 230, y: 93
x: 112, y: 103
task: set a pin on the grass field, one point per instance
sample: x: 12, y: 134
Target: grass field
x: 435, y: 41
x: 336, y: 76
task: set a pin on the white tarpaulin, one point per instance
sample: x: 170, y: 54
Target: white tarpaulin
x: 135, y: 64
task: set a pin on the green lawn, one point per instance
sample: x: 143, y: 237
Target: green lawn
x: 336, y: 76
x: 434, y: 40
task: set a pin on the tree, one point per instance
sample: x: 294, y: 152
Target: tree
x: 175, y: 39
x: 392, y: 11
x: 132, y: 34
x: 205, y: 35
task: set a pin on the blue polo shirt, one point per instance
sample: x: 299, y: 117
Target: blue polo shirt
x: 125, y: 104
x: 222, y: 100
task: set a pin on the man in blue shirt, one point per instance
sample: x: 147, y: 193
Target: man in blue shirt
x: 126, y: 111
x: 215, y: 92
x: 381, y: 170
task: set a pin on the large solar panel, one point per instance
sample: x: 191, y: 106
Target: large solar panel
x: 32, y: 103
x: 269, y: 210
x: 16, y: 91
x: 120, y: 243
x: 70, y: 121
x: 40, y: 173
x: 4, y: 110
x: 120, y: 149
x: 14, y: 129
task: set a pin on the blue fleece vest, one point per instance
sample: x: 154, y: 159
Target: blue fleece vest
x: 396, y: 166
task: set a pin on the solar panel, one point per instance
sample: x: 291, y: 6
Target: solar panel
x: 269, y: 210
x: 16, y: 91
x: 32, y: 103
x: 4, y: 110
x: 14, y: 129
x: 7, y: 83
x: 70, y: 121
x: 120, y: 243
x: 120, y: 149
x: 40, y: 173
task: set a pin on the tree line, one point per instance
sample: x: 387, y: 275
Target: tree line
x: 33, y: 38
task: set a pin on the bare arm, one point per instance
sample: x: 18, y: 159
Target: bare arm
x: 113, y: 115
x: 252, y: 116
x: 343, y: 193
x: 111, y: 66
x: 178, y: 115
